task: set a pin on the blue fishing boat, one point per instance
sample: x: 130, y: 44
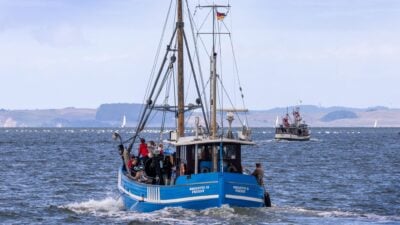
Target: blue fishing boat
x: 198, y: 169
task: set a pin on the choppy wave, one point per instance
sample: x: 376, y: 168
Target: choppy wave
x: 348, y: 176
x: 112, y: 208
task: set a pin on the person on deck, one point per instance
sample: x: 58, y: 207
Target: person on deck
x: 160, y: 149
x: 231, y: 168
x: 259, y: 174
x: 167, y: 169
x: 154, y: 159
x: 182, y: 169
x: 151, y: 145
x: 132, y: 163
x: 143, y: 152
x: 136, y: 170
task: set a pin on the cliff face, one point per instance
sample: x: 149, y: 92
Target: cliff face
x: 110, y: 115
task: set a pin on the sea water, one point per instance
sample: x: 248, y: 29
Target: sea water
x: 69, y: 176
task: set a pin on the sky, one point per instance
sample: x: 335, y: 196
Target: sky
x: 73, y: 53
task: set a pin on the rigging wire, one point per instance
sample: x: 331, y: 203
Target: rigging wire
x: 195, y: 81
x: 144, y: 114
x: 197, y: 56
x: 230, y: 101
x: 148, y: 107
x: 175, y: 93
x: 220, y: 75
x: 146, y: 119
x: 234, y: 65
x: 198, y: 33
x: 167, y: 92
x: 169, y: 76
x: 223, y: 89
x: 156, y: 57
x: 237, y: 72
x: 205, y: 19
x: 189, y: 116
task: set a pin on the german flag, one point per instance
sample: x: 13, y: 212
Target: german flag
x: 220, y: 16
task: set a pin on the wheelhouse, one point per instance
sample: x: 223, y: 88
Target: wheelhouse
x: 205, y: 156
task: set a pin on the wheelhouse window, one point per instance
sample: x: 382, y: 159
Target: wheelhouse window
x: 231, y: 158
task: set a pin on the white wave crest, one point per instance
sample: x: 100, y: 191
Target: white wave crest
x: 113, y: 208
x: 223, y: 211
x: 108, y: 204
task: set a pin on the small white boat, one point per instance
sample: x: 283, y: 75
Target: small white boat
x: 123, y: 122
x: 376, y: 124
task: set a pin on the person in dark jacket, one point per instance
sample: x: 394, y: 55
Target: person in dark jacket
x: 259, y: 174
x: 167, y: 169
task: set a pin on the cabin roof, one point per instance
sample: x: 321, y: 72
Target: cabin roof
x: 193, y: 140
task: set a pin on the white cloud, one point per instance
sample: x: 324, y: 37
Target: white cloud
x: 322, y: 45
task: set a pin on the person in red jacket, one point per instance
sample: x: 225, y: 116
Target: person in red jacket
x: 143, y: 152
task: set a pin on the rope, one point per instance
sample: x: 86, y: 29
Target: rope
x: 162, y: 84
x: 153, y: 69
x: 197, y: 56
x: 220, y: 76
x: 167, y: 91
x: 143, y: 115
x: 230, y: 101
x: 237, y: 73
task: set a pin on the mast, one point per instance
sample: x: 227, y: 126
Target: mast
x: 180, y: 80
x: 213, y: 95
x: 213, y: 69
x: 213, y: 86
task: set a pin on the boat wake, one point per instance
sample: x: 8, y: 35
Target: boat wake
x: 107, y: 205
x: 112, y: 208
x: 315, y: 139
x: 265, y: 141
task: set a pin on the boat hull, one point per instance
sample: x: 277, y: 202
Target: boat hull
x: 196, y: 191
x: 292, y: 137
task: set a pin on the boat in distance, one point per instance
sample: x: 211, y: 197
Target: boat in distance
x: 292, y: 131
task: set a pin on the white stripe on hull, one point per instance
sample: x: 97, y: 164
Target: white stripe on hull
x: 291, y: 137
x: 153, y: 196
x: 239, y: 197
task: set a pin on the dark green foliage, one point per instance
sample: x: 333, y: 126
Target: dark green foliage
x: 337, y: 115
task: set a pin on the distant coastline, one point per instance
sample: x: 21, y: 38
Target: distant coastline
x: 110, y: 115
